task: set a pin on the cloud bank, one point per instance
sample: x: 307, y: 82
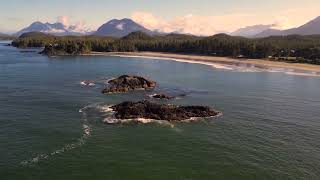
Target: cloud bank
x: 79, y: 26
x: 209, y: 25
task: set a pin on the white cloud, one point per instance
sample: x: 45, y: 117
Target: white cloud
x: 65, y: 20
x: 282, y: 22
x: 79, y: 26
x: 200, y: 25
x: 120, y: 26
x: 209, y: 25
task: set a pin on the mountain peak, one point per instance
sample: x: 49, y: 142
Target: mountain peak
x: 36, y: 22
x: 120, y: 28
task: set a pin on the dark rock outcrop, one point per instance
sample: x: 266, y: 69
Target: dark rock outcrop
x: 149, y: 110
x: 128, y: 83
x: 162, y: 96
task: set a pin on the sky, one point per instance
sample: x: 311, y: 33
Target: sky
x: 202, y: 17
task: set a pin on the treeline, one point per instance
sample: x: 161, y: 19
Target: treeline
x: 293, y: 48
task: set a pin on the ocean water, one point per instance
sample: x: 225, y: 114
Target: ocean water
x: 51, y: 126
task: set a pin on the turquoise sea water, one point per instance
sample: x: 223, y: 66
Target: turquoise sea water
x: 270, y: 126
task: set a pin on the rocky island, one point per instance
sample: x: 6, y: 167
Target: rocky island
x: 126, y: 83
x: 150, y: 110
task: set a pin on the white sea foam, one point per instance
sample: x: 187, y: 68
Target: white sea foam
x: 106, y: 109
x: 87, y: 83
x: 312, y: 74
x: 112, y: 120
x: 83, y: 83
x: 219, y: 66
x: 152, y: 95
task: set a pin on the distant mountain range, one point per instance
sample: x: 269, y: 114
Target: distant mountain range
x: 113, y: 28
x: 54, y: 29
x: 251, y: 31
x: 310, y: 28
x: 123, y: 27
x: 260, y: 31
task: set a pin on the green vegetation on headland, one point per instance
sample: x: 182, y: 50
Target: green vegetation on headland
x: 293, y: 48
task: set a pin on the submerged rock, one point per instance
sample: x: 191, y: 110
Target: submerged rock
x: 149, y: 110
x: 128, y: 83
x: 162, y: 96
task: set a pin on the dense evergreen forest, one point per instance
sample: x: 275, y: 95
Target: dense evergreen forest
x: 293, y: 48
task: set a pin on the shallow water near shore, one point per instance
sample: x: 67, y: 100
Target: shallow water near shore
x: 269, y: 128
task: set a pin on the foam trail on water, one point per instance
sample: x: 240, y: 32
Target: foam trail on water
x: 86, y: 133
x: 110, y: 120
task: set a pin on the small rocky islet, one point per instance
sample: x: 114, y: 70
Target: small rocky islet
x: 126, y: 83
x: 150, y: 110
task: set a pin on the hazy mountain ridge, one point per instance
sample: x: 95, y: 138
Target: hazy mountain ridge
x: 54, y: 29
x: 310, y: 28
x: 250, y: 31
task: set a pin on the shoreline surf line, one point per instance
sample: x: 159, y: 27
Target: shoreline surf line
x: 247, y: 65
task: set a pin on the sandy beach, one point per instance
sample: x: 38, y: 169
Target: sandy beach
x: 255, y: 63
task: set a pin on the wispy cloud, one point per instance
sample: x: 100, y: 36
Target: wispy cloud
x: 194, y: 24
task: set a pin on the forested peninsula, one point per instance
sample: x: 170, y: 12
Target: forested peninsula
x: 292, y: 48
